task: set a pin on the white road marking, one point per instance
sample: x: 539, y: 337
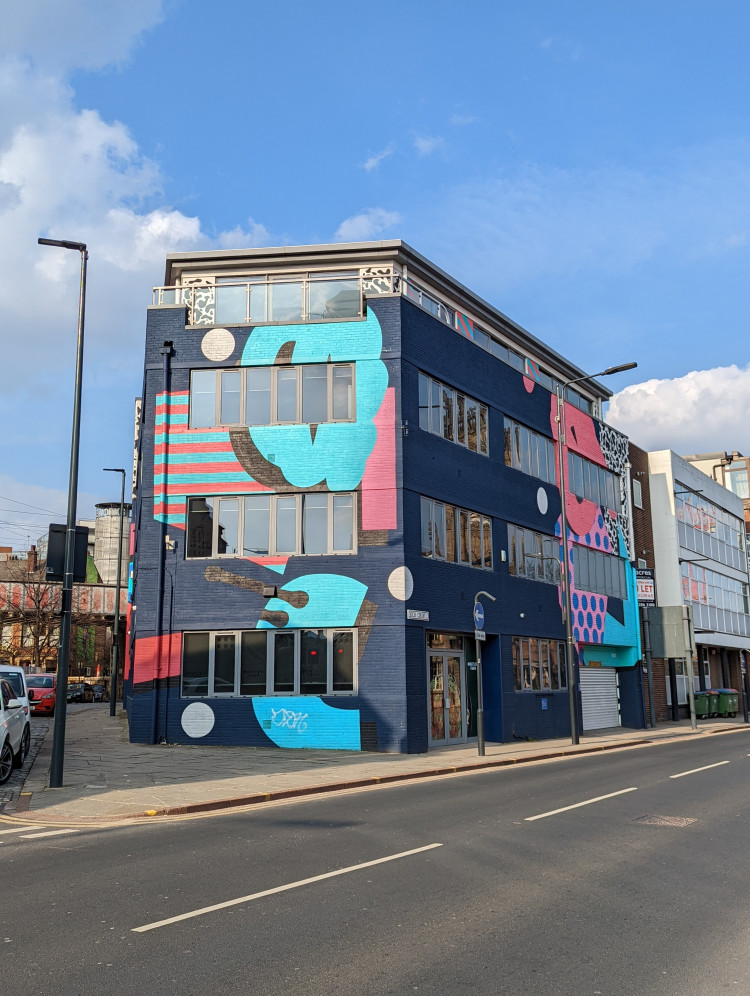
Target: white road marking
x: 705, y: 768
x: 281, y: 888
x: 48, y: 833
x: 19, y: 829
x: 577, y: 805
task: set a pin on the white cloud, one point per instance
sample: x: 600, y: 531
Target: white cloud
x: 366, y: 225
x: 427, y: 144
x: 460, y: 120
x: 704, y: 411
x: 376, y: 158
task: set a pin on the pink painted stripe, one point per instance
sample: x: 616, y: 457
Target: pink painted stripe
x: 379, y: 480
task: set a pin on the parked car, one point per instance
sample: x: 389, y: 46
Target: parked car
x: 15, y: 735
x: 16, y: 678
x: 81, y: 691
x: 42, y: 688
x: 100, y: 694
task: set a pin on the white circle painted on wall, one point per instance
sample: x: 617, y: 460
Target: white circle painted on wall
x: 217, y: 344
x: 198, y: 719
x: 401, y: 584
x: 542, y: 502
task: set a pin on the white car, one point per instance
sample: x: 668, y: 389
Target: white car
x: 16, y: 678
x: 14, y: 731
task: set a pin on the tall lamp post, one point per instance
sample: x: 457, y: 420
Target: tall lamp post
x: 567, y: 595
x: 480, y: 686
x: 58, y: 736
x: 116, y: 639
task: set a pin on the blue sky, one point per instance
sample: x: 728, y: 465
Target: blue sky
x: 584, y: 166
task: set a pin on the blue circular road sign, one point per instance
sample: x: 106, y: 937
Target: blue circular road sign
x: 479, y: 616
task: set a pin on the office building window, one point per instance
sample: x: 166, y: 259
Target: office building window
x: 269, y: 662
x: 589, y: 480
x: 602, y: 573
x: 533, y: 555
x: 637, y: 494
x: 278, y: 395
x: 263, y: 525
x: 529, y: 451
x: 456, y: 535
x: 538, y: 664
x: 453, y: 415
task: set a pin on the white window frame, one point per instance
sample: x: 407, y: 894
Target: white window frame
x: 330, y: 633
x: 637, y: 494
x: 467, y: 400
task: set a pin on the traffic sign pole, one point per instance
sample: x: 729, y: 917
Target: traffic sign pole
x: 479, y: 636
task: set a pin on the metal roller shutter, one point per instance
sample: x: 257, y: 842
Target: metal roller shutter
x: 600, y: 699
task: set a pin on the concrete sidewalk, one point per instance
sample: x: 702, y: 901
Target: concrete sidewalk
x: 109, y: 779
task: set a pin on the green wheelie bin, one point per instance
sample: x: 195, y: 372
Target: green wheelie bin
x: 728, y: 699
x: 713, y: 702
x: 701, y: 704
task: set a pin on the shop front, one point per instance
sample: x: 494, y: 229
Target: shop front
x: 452, y: 684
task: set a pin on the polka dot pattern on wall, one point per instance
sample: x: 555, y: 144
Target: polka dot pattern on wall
x: 401, y: 584
x: 542, y: 502
x: 217, y: 344
x: 197, y: 719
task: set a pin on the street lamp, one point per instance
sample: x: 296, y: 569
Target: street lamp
x: 116, y: 641
x: 480, y: 688
x: 567, y: 596
x: 58, y: 736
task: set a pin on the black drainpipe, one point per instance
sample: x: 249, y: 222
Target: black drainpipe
x: 166, y: 352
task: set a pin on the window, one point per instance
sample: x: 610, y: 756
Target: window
x: 456, y: 535
x: 602, y: 573
x: 269, y: 662
x: 538, y: 664
x: 529, y: 451
x: 533, y: 555
x: 589, y: 480
x: 453, y: 415
x: 637, y: 494
x: 311, y: 394
x: 641, y: 564
x: 262, y: 525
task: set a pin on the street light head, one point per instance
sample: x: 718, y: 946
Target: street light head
x: 63, y: 244
x: 617, y: 369
x: 115, y: 470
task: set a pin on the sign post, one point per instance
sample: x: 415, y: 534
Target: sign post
x: 479, y: 638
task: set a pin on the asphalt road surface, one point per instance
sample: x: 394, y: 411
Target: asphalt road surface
x: 621, y: 874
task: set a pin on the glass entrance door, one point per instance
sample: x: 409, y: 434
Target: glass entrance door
x: 448, y: 699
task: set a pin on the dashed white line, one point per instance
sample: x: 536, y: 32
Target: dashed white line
x: 281, y: 888
x: 18, y: 829
x: 47, y: 833
x: 704, y: 768
x: 577, y: 805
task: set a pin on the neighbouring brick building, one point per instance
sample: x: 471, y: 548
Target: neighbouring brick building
x: 339, y: 446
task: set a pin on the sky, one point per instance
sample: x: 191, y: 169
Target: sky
x: 583, y: 166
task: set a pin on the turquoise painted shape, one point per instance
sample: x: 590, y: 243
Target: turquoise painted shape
x: 334, y: 600
x: 339, y: 451
x: 307, y: 722
x: 626, y: 637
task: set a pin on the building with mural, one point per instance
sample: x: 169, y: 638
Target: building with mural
x: 338, y: 447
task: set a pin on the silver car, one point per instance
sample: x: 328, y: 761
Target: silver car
x: 14, y: 731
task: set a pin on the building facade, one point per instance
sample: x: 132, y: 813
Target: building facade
x: 339, y: 446
x: 701, y: 561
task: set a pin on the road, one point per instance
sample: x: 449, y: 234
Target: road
x: 640, y: 892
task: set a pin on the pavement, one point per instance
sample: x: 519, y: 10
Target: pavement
x: 107, y: 779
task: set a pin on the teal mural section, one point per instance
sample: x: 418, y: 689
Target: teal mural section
x: 308, y: 722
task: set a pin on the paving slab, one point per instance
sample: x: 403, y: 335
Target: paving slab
x: 107, y: 778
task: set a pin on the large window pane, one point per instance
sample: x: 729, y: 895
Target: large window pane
x: 343, y: 662
x: 450, y: 534
x: 461, y: 419
x: 476, y: 541
x: 315, y: 523
x: 343, y: 522
x: 335, y: 298
x: 426, y: 515
x: 487, y: 543
x: 435, y: 409
x: 471, y: 424
x: 286, y: 301
x: 200, y: 527
x: 343, y: 393
x: 203, y: 398
x: 258, y: 396
x: 525, y: 450
x: 230, y: 397
x: 253, y: 663
x: 223, y: 664
x: 286, y: 394
x: 231, y: 304
x: 483, y: 430
x: 315, y: 393
x: 195, y: 664
x: 283, y: 662
x: 438, y: 513
x: 286, y: 525
x: 447, y: 413
x: 463, y: 530
x: 227, y: 540
x: 256, y: 532
x: 258, y: 301
x: 313, y: 678
x: 424, y: 402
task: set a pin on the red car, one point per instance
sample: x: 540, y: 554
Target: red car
x: 41, y: 693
